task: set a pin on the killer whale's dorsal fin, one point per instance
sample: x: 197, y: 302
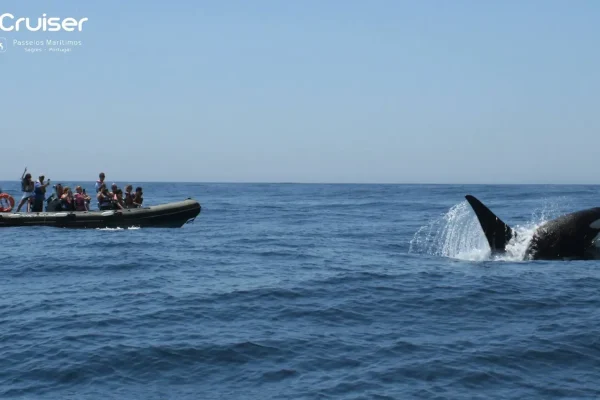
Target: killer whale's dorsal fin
x: 496, y: 231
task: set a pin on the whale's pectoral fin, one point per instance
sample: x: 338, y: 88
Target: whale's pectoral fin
x: 496, y: 231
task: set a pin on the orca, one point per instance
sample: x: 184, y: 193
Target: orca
x: 572, y: 236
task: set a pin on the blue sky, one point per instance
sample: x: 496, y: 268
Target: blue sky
x: 307, y: 91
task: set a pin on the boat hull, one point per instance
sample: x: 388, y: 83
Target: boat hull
x: 171, y: 215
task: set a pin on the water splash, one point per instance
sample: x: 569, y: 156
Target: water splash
x: 457, y: 234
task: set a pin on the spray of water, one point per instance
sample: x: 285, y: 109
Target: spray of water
x: 457, y: 234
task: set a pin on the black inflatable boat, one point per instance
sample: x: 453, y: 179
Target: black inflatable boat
x: 171, y: 215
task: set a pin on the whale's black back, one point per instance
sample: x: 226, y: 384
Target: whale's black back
x: 569, y: 236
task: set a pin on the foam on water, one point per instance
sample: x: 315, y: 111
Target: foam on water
x: 458, y: 234
x: 118, y: 229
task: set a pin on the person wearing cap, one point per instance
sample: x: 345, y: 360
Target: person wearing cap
x: 39, y: 194
x: 100, y: 181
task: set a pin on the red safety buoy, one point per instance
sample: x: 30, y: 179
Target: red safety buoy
x: 10, y: 200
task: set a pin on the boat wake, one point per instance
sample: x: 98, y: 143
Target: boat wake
x: 457, y: 234
x: 118, y: 229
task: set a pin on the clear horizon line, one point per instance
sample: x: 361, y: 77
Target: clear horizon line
x: 121, y: 181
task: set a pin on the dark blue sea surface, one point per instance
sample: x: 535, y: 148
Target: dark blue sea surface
x: 286, y: 291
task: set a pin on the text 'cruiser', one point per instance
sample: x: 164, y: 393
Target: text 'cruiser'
x: 9, y: 23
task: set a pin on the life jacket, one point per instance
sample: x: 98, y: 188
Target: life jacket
x: 67, y: 204
x: 129, y: 199
x: 98, y: 184
x: 79, y: 202
x: 104, y: 201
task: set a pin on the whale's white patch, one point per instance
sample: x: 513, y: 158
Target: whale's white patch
x: 595, y: 224
x: 596, y: 241
x: 61, y: 214
x: 107, y: 213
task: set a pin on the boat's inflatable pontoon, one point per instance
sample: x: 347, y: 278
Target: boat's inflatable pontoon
x: 171, y: 215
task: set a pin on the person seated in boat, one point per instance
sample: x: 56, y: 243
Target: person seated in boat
x: 66, y: 201
x: 113, y: 189
x: 53, y: 202
x: 39, y: 194
x: 100, y: 181
x: 104, y: 199
x: 119, y: 203
x: 129, y: 196
x: 27, y: 187
x: 58, y: 190
x: 81, y: 199
x: 138, y: 198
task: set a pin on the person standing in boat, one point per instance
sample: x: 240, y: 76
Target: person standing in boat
x: 39, y: 190
x: 100, y: 181
x: 27, y: 186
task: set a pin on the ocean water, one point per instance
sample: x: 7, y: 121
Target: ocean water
x: 285, y: 291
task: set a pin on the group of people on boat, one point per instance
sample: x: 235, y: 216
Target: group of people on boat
x: 115, y: 198
x: 63, y: 198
